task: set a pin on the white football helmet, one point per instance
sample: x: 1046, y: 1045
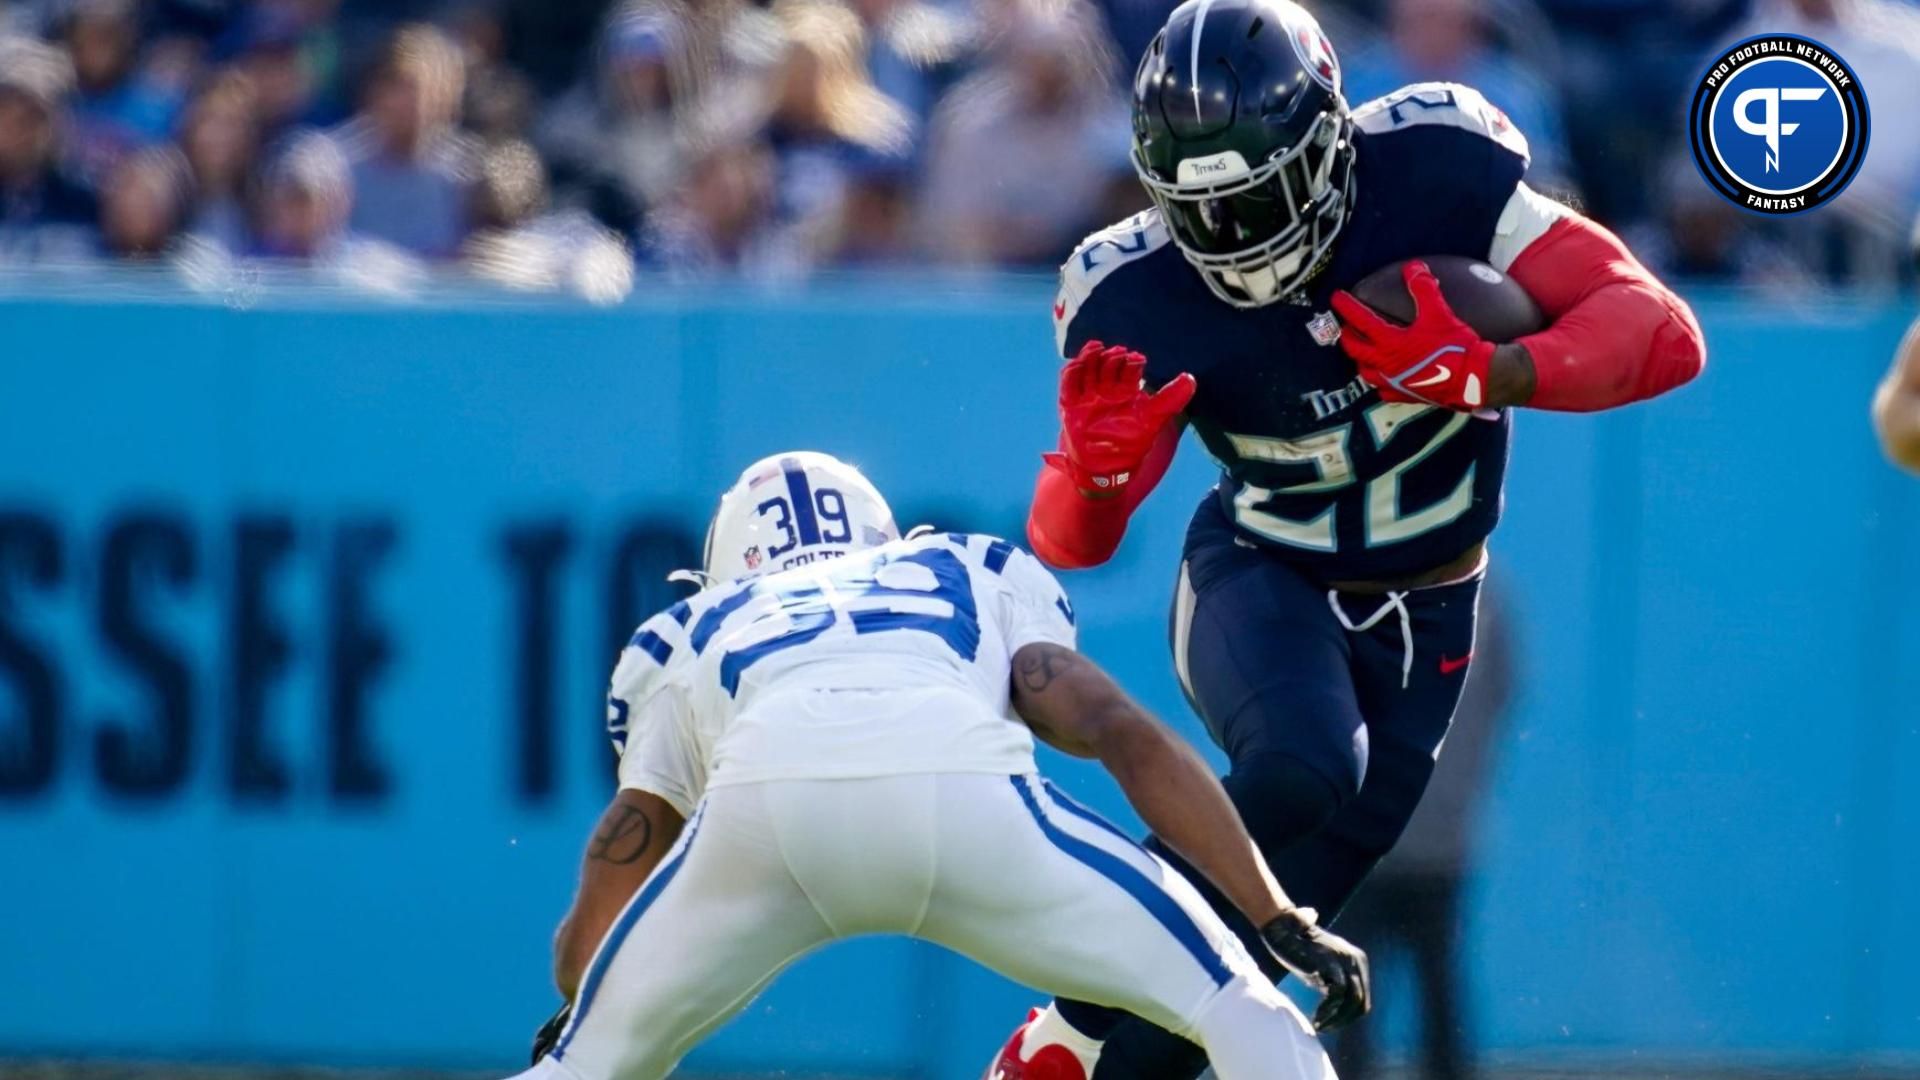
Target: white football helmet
x: 791, y: 509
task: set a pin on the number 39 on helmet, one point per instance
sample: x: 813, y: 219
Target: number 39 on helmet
x: 1243, y: 140
x: 791, y: 509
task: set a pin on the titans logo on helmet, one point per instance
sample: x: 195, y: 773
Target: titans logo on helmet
x: 1316, y: 55
x: 1779, y: 124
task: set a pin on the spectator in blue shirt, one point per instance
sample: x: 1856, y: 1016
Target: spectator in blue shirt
x: 306, y: 194
x: 221, y: 137
x: 619, y: 138
x: 116, y: 109
x: 825, y: 118
x: 1625, y: 69
x: 412, y: 168
x: 721, y: 218
x: 291, y: 62
x: 1446, y: 41
x: 1029, y: 154
x: 44, y: 214
x: 915, y: 49
x: 307, y: 200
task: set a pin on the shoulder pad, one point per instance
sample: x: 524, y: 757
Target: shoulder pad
x: 1526, y: 218
x: 981, y: 550
x: 651, y: 655
x: 1029, y: 579
x: 1446, y: 104
x: 655, y: 645
x: 1098, y: 256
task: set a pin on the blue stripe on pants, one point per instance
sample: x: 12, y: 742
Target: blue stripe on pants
x: 1158, y: 902
x: 656, y: 884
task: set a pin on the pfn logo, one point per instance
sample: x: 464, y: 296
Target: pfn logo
x: 1779, y: 124
x: 1769, y: 127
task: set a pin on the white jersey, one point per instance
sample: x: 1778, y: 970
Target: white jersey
x: 890, y: 661
x: 831, y: 733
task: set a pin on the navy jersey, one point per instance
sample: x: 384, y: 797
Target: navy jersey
x: 1315, y: 466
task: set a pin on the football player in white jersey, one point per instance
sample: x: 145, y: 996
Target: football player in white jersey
x: 834, y: 737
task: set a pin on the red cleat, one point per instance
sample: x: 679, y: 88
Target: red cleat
x: 1054, y: 1061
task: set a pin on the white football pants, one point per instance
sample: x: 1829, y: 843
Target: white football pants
x: 1004, y: 870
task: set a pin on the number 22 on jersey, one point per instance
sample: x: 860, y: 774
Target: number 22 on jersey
x: 1387, y: 522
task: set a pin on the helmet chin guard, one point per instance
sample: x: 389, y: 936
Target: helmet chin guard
x: 1315, y: 194
x: 1244, y: 143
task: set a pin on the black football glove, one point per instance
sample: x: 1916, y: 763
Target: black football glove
x: 549, y: 1033
x: 1325, y: 961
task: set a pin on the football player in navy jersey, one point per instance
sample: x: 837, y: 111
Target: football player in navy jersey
x: 1323, y: 616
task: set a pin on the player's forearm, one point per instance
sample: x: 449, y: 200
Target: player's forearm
x: 630, y: 840
x: 1180, y: 800
x: 1510, y: 377
x: 569, y: 960
x: 1071, y: 529
x: 1625, y: 343
x: 1896, y: 416
x: 1896, y: 408
x: 1617, y: 334
x: 1077, y: 707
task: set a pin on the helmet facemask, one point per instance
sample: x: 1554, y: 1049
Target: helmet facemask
x: 1258, y: 234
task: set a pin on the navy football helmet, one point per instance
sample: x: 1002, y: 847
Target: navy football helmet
x: 1244, y: 141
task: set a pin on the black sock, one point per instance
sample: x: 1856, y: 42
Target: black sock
x: 1093, y: 1021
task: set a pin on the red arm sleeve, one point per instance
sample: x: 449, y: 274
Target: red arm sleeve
x: 1617, y: 334
x: 1071, y: 531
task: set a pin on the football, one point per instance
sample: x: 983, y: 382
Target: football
x: 1486, y: 299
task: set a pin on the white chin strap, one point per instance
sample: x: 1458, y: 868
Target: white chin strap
x: 1262, y: 285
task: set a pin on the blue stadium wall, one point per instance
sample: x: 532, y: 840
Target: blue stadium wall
x: 305, y: 611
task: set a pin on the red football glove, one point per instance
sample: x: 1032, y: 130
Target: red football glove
x: 1436, y: 360
x: 1108, y: 420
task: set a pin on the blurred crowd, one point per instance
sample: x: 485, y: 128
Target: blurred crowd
x: 565, y: 144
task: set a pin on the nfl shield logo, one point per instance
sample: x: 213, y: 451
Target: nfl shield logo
x: 1324, y: 328
x: 753, y: 557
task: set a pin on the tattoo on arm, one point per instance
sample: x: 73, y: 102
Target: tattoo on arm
x: 1038, y: 668
x: 625, y: 835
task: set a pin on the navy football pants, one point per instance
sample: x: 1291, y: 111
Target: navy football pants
x: 1331, y: 708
